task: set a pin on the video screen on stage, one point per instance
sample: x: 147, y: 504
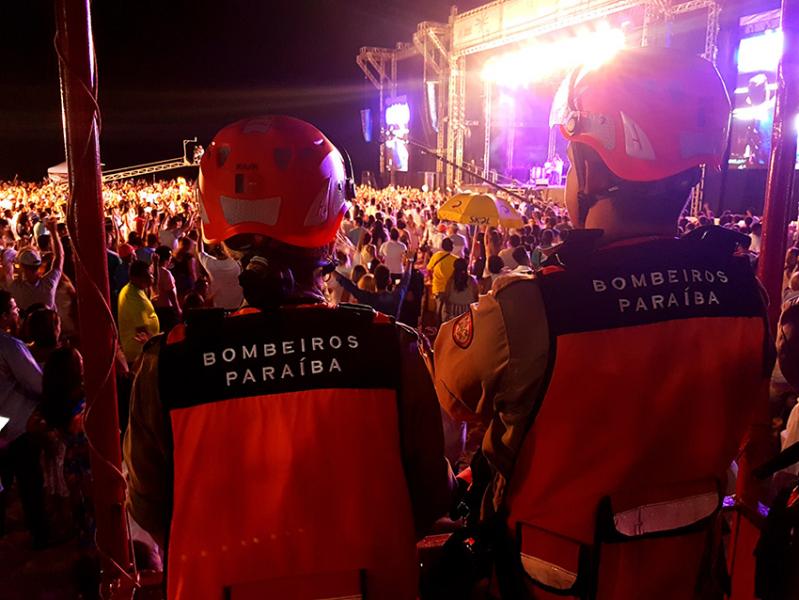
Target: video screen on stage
x: 758, y: 57
x: 398, y: 122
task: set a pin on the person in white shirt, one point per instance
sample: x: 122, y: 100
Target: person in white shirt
x: 33, y: 287
x: 20, y: 392
x: 459, y: 242
x: 506, y: 254
x: 223, y: 274
x: 435, y: 235
x: 394, y: 252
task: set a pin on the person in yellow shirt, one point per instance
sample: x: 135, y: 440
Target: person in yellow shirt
x: 137, y: 319
x: 441, y: 267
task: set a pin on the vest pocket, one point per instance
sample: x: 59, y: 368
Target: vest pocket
x: 660, y: 543
x: 656, y: 544
x: 658, y: 511
x: 551, y: 561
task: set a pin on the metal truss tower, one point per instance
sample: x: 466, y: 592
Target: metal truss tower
x: 444, y: 48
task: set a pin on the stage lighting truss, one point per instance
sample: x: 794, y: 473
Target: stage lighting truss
x: 432, y: 40
x: 444, y: 48
x: 525, y: 66
x: 379, y: 65
x: 664, y: 11
x: 504, y: 22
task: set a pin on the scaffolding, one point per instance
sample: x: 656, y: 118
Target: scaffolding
x: 145, y: 169
x: 444, y: 48
x: 432, y: 40
x: 379, y: 66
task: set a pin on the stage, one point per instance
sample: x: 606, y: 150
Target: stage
x: 478, y: 89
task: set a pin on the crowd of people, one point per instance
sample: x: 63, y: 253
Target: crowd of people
x: 392, y: 253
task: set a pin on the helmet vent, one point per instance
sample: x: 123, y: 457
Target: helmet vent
x: 222, y: 153
x: 282, y: 158
x: 262, y: 125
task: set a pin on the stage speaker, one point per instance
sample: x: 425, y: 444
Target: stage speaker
x: 431, y: 103
x: 366, y: 124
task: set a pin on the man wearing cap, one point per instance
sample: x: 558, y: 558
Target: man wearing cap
x: 33, y: 287
x: 122, y: 274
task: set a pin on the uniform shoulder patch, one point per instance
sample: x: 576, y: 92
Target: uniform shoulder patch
x: 153, y: 342
x: 463, y: 330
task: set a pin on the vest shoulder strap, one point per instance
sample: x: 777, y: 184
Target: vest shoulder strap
x: 716, y: 239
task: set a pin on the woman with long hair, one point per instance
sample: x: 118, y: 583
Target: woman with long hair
x: 461, y: 291
x: 184, y: 267
x: 369, y: 257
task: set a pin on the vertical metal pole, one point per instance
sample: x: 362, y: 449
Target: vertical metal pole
x: 382, y: 110
x: 461, y: 129
x: 441, y: 135
x: 758, y: 447
x: 452, y: 120
x: 511, y: 139
x: 487, y: 91
x: 779, y: 184
x: 78, y: 79
x: 452, y: 97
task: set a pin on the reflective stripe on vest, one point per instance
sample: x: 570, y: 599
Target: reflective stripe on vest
x: 548, y: 573
x: 666, y: 516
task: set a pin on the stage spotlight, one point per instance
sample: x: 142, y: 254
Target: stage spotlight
x: 366, y: 124
x: 431, y: 100
x: 761, y: 52
x: 542, y: 61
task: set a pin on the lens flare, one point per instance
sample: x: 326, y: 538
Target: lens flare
x: 542, y: 61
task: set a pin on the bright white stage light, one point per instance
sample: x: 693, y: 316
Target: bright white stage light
x: 398, y: 114
x: 761, y: 52
x: 544, y: 60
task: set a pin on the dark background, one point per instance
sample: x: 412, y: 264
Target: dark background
x: 173, y: 69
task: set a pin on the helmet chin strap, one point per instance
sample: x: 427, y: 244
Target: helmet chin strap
x: 584, y: 203
x: 645, y: 191
x: 585, y: 200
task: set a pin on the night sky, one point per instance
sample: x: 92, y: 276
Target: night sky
x: 173, y: 69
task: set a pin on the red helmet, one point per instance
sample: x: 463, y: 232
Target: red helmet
x: 275, y: 176
x: 649, y: 112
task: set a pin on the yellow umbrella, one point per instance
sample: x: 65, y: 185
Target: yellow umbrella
x: 480, y: 209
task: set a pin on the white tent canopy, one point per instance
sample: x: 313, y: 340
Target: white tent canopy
x: 58, y: 173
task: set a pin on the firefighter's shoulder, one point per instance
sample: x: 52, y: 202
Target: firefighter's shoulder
x: 512, y: 304
x: 507, y: 280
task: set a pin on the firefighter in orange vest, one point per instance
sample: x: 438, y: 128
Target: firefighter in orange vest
x: 618, y: 383
x: 291, y: 449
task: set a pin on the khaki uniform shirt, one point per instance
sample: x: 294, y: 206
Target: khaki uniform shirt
x: 490, y: 366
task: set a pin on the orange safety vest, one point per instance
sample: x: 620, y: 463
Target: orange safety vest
x: 288, y: 479
x: 658, y: 359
